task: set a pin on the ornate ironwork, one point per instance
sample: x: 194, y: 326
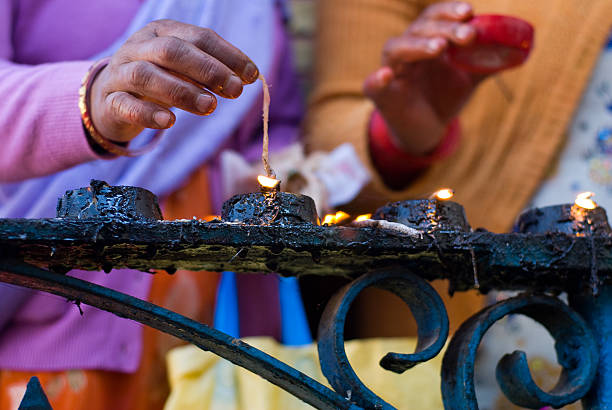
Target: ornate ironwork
x: 597, y: 312
x: 205, y: 337
x: 427, y: 308
x: 575, y: 346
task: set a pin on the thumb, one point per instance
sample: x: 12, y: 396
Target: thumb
x: 377, y: 83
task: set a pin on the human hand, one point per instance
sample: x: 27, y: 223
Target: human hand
x: 418, y: 91
x: 166, y: 64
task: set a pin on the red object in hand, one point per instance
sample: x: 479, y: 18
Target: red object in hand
x: 501, y: 42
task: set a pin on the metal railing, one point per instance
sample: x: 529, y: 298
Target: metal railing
x: 557, y: 249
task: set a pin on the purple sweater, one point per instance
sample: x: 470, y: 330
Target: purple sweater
x: 42, y: 61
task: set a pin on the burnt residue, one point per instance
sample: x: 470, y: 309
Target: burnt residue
x: 572, y: 220
x: 428, y: 215
x: 119, y: 227
x: 266, y: 208
x: 567, y: 218
x: 539, y: 262
x: 100, y: 200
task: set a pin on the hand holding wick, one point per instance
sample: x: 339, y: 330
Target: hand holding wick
x: 166, y: 64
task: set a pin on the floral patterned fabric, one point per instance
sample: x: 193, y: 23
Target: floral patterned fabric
x: 585, y: 162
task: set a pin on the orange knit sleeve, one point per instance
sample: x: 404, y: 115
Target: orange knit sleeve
x: 350, y: 38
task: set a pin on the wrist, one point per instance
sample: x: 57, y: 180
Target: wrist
x: 397, y: 166
x: 97, y: 141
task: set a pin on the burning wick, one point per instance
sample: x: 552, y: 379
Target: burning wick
x: 268, y: 183
x: 443, y: 194
x: 584, y: 200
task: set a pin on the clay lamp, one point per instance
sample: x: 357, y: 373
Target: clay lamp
x: 582, y: 218
x: 270, y: 206
x: 100, y: 200
x: 437, y: 213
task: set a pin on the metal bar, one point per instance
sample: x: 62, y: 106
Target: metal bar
x: 206, y: 338
x: 597, y: 311
x: 484, y: 260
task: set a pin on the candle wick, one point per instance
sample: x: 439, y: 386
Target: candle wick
x: 266, y: 112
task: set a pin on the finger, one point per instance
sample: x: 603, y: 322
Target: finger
x: 148, y: 80
x: 211, y: 43
x: 377, y: 82
x: 189, y: 61
x: 458, y: 33
x: 408, y: 49
x: 450, y: 10
x: 127, y: 110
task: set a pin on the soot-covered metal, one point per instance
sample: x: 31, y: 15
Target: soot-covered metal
x: 102, y: 227
x: 554, y: 249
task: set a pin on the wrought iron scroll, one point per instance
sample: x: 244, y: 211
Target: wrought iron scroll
x: 575, y: 346
x: 427, y: 308
x: 204, y: 337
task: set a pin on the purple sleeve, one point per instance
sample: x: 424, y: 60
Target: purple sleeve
x: 40, y: 127
x: 40, y: 124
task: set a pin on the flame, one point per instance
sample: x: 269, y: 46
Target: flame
x: 363, y: 217
x: 268, y: 182
x: 329, y: 219
x: 209, y: 218
x: 341, y: 216
x: 332, y: 219
x: 584, y: 200
x: 443, y: 194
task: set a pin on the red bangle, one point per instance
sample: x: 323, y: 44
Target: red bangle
x: 108, y: 145
x: 397, y: 166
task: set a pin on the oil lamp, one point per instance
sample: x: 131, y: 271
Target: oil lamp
x: 270, y: 206
x: 436, y: 213
x: 100, y: 200
x: 582, y: 218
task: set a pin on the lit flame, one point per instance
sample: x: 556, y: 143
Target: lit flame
x: 268, y: 182
x: 332, y: 219
x: 363, y: 217
x: 329, y: 219
x: 443, y: 194
x: 341, y: 216
x: 584, y: 200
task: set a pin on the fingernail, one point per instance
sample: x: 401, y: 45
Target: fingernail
x: 204, y: 103
x: 162, y: 119
x: 463, y: 32
x: 232, y: 86
x: 463, y: 9
x: 382, y: 77
x: 250, y: 72
x: 434, y: 45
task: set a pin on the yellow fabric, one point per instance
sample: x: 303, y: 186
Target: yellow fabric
x: 201, y: 380
x: 514, y: 124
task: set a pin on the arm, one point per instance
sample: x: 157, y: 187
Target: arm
x: 416, y: 92
x: 349, y: 43
x: 25, y: 130
x: 40, y: 124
